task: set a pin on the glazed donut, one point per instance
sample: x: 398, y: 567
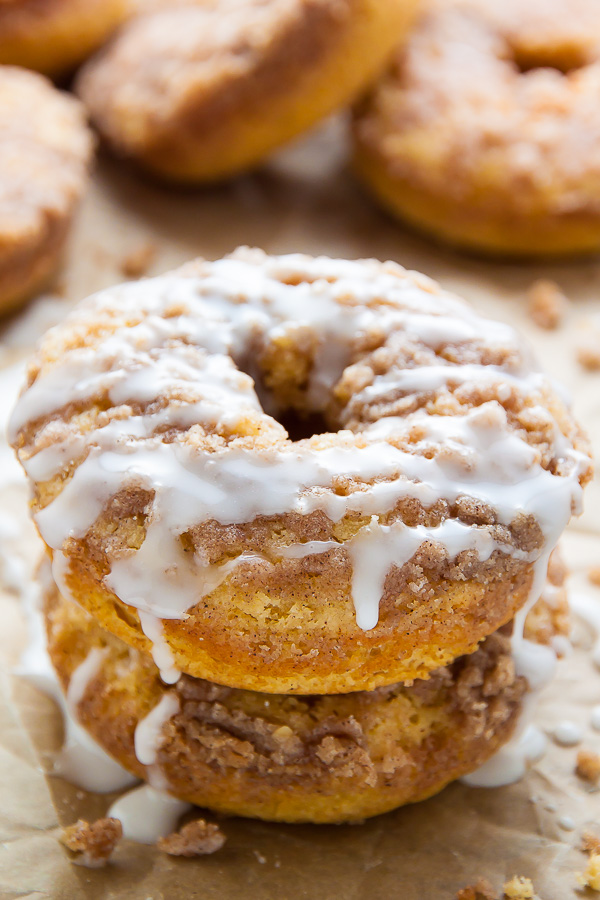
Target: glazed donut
x: 485, y: 130
x: 45, y: 151
x: 197, y: 93
x: 184, y: 516
x: 282, y: 758
x: 55, y: 36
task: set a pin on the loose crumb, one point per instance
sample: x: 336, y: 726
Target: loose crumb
x: 519, y: 888
x: 590, y: 842
x: 481, y: 890
x: 95, y: 843
x: 139, y: 260
x: 588, y: 765
x: 591, y: 877
x: 594, y: 575
x: 547, y: 305
x: 197, y: 838
x: 588, y: 345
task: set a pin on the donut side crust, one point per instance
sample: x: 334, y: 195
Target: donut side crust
x: 294, y: 759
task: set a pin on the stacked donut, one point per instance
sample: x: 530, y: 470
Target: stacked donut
x: 299, y: 511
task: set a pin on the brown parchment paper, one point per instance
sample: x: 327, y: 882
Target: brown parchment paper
x: 304, y: 200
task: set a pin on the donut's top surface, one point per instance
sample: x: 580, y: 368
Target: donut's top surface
x: 490, y: 95
x: 195, y: 63
x: 436, y: 429
x: 44, y: 154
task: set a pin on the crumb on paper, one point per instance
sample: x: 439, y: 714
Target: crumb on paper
x: 546, y: 304
x: 588, y: 345
x: 197, y: 838
x: 594, y: 575
x: 588, y: 765
x: 95, y: 843
x: 519, y: 888
x: 590, y: 842
x: 591, y: 877
x: 480, y: 890
x: 137, y: 262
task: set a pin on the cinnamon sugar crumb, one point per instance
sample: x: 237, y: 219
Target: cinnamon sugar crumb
x: 547, y: 305
x: 588, y: 765
x: 519, y: 888
x: 591, y: 877
x: 197, y: 838
x: 588, y: 345
x: 139, y: 260
x: 590, y: 842
x: 594, y: 575
x: 481, y: 890
x: 94, y: 842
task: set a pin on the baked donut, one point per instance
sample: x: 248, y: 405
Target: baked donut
x: 45, y: 151
x: 189, y: 521
x: 282, y: 758
x: 484, y: 132
x: 197, y: 93
x: 55, y: 36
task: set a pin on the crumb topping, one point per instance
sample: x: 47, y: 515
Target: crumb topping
x: 94, y: 842
x: 197, y: 838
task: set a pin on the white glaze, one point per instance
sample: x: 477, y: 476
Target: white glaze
x: 567, y: 733
x: 147, y: 814
x: 595, y: 718
x: 161, y: 652
x: 587, y: 607
x: 189, y: 358
x: 148, y: 732
x: 510, y: 763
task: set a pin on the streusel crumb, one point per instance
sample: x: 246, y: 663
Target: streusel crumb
x: 197, y: 838
x: 588, y: 765
x: 481, y: 890
x: 590, y: 842
x: 547, y: 305
x: 94, y: 842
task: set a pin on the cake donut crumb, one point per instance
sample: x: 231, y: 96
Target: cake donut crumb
x: 197, y: 838
x: 591, y: 877
x: 94, y: 843
x: 519, y: 888
x: 546, y: 304
x: 588, y: 765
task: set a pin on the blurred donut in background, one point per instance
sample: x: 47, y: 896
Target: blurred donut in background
x: 45, y: 151
x: 199, y: 92
x: 55, y: 36
x: 485, y: 130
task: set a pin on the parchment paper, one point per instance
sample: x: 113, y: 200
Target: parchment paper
x: 305, y: 200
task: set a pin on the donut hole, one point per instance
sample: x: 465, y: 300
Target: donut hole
x: 565, y: 58
x: 300, y: 427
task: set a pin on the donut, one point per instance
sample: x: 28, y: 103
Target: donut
x: 45, y: 152
x: 285, y: 758
x: 55, y: 36
x: 404, y: 512
x: 484, y: 130
x: 197, y: 93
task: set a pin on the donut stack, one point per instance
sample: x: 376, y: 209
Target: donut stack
x: 299, y: 511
